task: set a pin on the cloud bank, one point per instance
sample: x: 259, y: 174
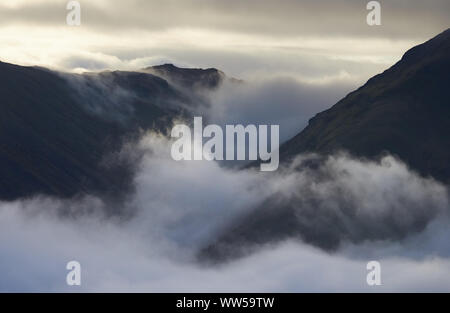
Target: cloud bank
x: 178, y: 207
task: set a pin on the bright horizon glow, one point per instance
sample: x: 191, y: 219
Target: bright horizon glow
x: 272, y: 41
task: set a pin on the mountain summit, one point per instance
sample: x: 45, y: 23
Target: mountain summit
x: 188, y: 77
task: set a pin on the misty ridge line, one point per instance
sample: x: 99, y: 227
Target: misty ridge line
x: 213, y: 149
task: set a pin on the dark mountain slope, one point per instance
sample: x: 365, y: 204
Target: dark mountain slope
x: 404, y: 111
x: 48, y: 143
x: 57, y: 130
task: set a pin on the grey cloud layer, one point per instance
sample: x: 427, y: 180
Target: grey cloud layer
x: 401, y: 18
x: 307, y: 39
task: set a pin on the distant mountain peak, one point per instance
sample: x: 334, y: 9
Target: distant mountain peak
x: 434, y: 46
x: 188, y: 77
x: 164, y: 66
x: 172, y: 67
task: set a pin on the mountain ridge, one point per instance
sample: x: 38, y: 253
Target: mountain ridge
x: 188, y: 77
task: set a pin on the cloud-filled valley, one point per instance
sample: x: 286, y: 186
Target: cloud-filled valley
x: 179, y: 207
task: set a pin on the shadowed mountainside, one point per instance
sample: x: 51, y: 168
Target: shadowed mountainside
x: 404, y: 111
x: 59, y: 132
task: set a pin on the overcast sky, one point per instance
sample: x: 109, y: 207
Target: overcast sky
x: 316, y: 41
